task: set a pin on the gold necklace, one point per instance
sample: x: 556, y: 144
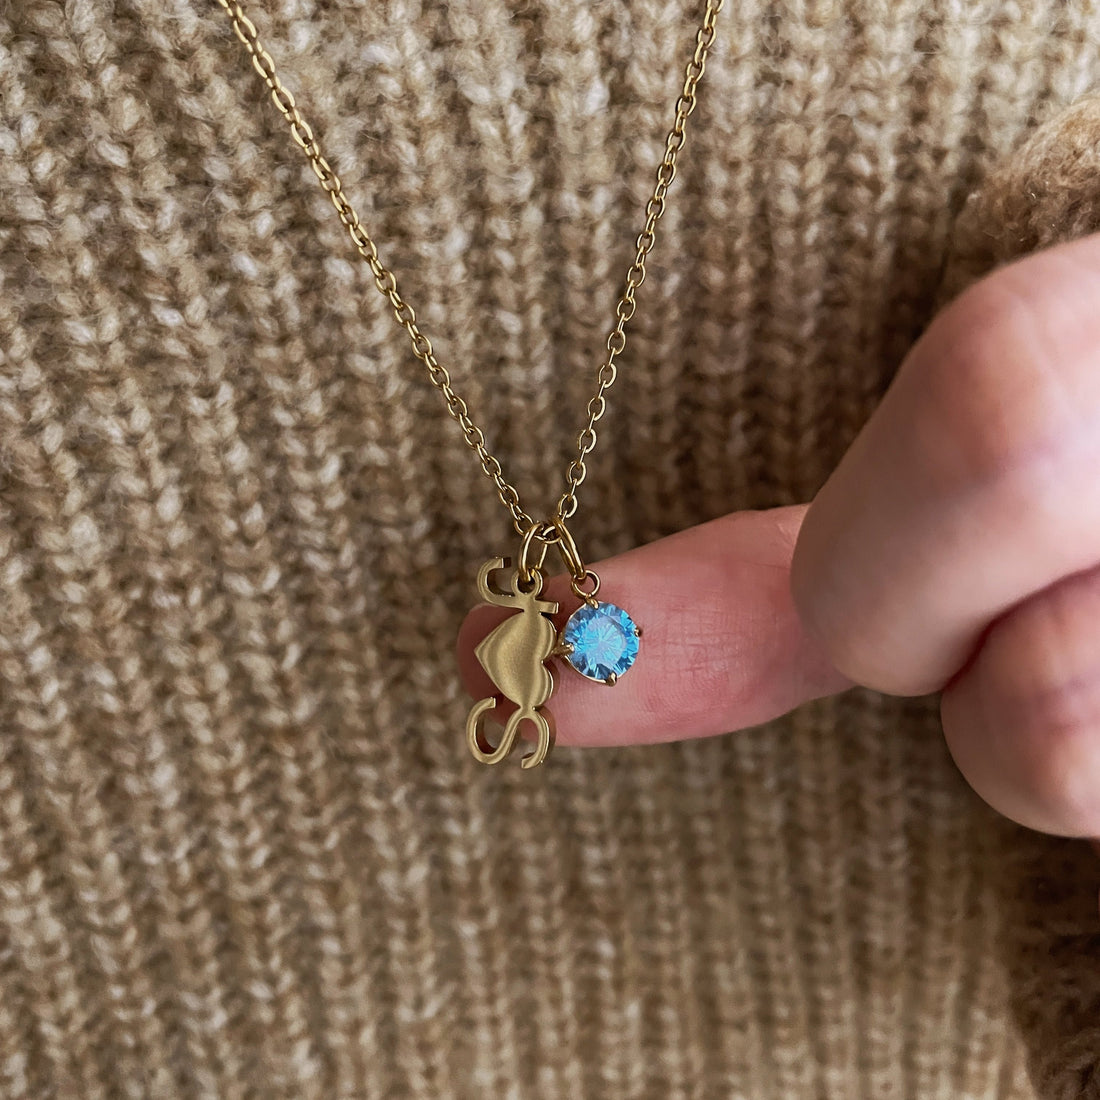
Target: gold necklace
x: 600, y: 640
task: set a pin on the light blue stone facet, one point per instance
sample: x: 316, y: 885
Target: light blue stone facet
x: 604, y: 640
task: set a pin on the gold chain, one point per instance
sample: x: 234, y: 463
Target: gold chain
x: 386, y: 282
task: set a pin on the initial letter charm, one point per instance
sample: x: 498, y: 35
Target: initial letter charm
x: 513, y: 655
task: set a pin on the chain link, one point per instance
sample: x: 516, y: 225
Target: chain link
x: 386, y: 281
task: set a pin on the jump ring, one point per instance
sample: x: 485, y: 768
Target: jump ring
x: 569, y: 552
x: 527, y: 570
x: 588, y: 597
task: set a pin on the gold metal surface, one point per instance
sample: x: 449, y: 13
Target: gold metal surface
x: 386, y: 282
x: 527, y: 567
x: 569, y: 552
x: 514, y: 656
x: 588, y: 597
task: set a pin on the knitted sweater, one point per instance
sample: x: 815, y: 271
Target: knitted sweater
x: 244, y: 851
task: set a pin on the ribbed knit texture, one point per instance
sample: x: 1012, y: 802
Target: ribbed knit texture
x: 243, y: 849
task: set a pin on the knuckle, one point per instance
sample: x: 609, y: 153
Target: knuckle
x: 1062, y: 779
x: 1030, y: 763
x: 1042, y: 709
x: 1062, y: 714
x: 996, y: 388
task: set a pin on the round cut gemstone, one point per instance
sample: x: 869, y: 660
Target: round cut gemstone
x: 603, y: 641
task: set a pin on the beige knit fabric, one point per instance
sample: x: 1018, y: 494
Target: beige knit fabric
x: 243, y: 849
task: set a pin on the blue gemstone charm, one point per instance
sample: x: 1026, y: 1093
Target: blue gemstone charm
x: 600, y: 642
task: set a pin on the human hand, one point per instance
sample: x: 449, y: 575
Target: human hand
x: 956, y: 549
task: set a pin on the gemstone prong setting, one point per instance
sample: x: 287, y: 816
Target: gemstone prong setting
x: 600, y: 641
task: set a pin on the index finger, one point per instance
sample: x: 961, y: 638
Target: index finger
x: 722, y: 647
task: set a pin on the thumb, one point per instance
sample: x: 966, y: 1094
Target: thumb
x: 722, y: 647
